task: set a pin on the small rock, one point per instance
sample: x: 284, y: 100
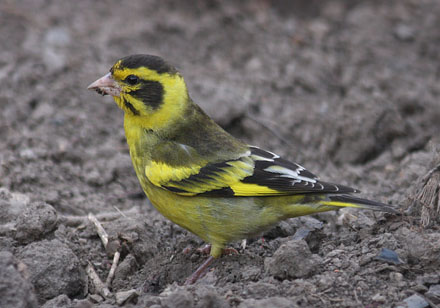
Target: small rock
x: 147, y: 300
x: 395, y: 276
x: 301, y: 233
x: 259, y: 290
x: 83, y: 303
x: 414, y: 301
x: 429, y: 279
x: 126, y: 296
x: 292, y: 260
x: 27, y: 154
x: 96, y: 298
x: 54, y: 269
x: 15, y: 290
x: 179, y: 298
x: 282, y: 229
x: 300, y: 286
x: 404, y: 32
x: 126, y: 268
x: 420, y: 288
x: 434, y: 293
x: 251, y: 273
x: 389, y: 256
x: 60, y: 301
x: 378, y: 298
x: 12, y: 205
x: 212, y: 300
x: 279, y: 302
x: 38, y: 219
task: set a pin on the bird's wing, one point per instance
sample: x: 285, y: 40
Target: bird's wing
x: 254, y: 173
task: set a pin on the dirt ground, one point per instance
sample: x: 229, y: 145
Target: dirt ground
x: 349, y: 89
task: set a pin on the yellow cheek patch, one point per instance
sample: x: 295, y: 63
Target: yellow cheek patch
x: 175, y: 96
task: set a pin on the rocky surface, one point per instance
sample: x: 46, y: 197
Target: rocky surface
x: 349, y: 89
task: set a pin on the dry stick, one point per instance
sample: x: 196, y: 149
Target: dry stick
x: 104, y: 238
x: 100, y: 229
x: 111, y: 274
x: 99, y: 285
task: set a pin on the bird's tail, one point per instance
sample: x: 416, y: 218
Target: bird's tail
x: 355, y: 202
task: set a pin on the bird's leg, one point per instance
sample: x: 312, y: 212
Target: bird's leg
x: 216, y: 252
x: 200, y: 271
x: 206, y: 250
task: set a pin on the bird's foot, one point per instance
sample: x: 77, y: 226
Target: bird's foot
x: 202, y: 269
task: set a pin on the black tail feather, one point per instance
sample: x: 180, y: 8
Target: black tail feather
x: 365, y: 203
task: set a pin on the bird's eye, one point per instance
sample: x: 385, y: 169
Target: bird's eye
x: 132, y: 79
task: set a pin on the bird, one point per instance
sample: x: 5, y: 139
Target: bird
x: 198, y: 175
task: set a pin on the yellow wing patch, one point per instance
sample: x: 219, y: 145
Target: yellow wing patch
x: 245, y: 190
x: 160, y: 173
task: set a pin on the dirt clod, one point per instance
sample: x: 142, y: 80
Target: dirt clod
x: 292, y: 259
x: 38, y: 219
x: 49, y: 272
x: 15, y: 289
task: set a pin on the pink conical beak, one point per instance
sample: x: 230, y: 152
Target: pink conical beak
x: 106, y: 85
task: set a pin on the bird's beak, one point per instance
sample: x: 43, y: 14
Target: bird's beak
x: 106, y: 85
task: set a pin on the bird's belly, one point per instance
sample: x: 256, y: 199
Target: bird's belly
x: 215, y: 220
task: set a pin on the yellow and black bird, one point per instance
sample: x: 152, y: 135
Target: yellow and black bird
x: 198, y: 175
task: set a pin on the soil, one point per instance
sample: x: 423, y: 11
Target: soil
x: 349, y: 89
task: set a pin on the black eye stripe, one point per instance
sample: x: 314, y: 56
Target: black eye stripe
x: 150, y: 93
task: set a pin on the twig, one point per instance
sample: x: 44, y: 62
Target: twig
x: 101, y: 288
x: 100, y: 229
x: 111, y: 274
x: 104, y: 238
x: 119, y: 211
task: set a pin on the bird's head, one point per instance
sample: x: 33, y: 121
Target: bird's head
x: 145, y: 86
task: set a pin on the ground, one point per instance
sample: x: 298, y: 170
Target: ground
x: 349, y: 89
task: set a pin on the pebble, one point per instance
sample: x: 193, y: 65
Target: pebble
x: 126, y: 296
x: 389, y: 256
x: 404, y: 32
x: 60, y: 301
x: 293, y: 259
x: 15, y: 289
x: 379, y: 298
x: 37, y: 220
x: 414, y: 301
x: 434, y: 293
x: 395, y: 276
x: 178, y: 298
x: 49, y: 272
